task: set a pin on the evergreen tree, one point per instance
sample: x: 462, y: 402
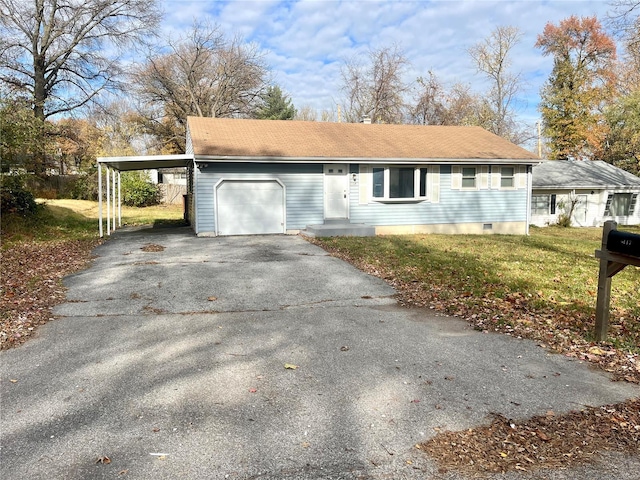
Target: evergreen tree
x: 275, y: 105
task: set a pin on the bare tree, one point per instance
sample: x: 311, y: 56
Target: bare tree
x: 64, y: 52
x: 204, y: 74
x: 624, y: 18
x: 430, y: 101
x: 437, y: 105
x: 306, y: 113
x: 491, y: 57
x: 375, y: 89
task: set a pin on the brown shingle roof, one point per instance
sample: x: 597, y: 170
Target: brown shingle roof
x: 218, y: 137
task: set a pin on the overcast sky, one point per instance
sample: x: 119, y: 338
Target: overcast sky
x: 307, y: 41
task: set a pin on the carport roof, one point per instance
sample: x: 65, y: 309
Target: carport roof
x: 146, y: 162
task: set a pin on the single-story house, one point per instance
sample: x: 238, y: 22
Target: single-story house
x: 268, y: 176
x: 598, y: 190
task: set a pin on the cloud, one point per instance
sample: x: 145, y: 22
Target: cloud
x: 307, y: 41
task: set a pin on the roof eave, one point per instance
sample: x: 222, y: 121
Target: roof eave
x: 585, y: 187
x: 348, y: 160
x: 146, y: 162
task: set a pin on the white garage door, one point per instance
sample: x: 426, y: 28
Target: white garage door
x: 250, y: 207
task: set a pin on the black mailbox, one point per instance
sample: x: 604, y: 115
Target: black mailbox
x: 624, y: 242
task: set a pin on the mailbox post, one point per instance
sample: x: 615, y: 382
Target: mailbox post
x: 618, y: 250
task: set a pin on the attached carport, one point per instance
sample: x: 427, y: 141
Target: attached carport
x: 115, y: 165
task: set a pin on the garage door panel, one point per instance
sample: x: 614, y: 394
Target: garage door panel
x: 250, y: 207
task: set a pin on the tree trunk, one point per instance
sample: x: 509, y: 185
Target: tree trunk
x: 39, y: 98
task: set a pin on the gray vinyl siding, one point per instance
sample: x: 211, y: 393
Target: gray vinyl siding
x: 454, y: 206
x: 303, y: 190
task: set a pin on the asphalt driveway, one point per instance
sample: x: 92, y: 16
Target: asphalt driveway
x: 178, y: 362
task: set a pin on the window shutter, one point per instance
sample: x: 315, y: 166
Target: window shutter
x: 633, y: 204
x: 495, y: 177
x: 456, y: 178
x: 434, y: 184
x: 484, y: 177
x: 521, y: 180
x: 607, y: 207
x: 365, y: 184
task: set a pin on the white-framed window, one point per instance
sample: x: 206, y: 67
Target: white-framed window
x: 620, y: 204
x: 507, y: 177
x: 543, y: 204
x: 398, y: 183
x: 469, y: 177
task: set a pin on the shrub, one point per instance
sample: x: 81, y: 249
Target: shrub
x: 83, y: 187
x: 15, y: 198
x: 138, y: 191
x: 564, y: 220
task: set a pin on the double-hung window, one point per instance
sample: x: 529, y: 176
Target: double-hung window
x: 507, y: 177
x: 398, y: 183
x: 468, y: 177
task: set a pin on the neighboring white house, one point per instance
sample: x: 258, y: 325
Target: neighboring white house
x: 599, y: 191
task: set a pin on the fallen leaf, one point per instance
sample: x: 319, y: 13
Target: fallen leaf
x: 212, y: 299
x: 305, y: 444
x: 543, y: 436
x: 103, y: 459
x: 596, y: 351
x: 253, y: 390
x: 290, y: 366
x: 123, y: 472
x: 13, y: 380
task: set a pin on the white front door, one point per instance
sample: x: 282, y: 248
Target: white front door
x: 336, y: 191
x: 580, y: 212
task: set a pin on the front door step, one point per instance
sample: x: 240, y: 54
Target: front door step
x: 339, y: 228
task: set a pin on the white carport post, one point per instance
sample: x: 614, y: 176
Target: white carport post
x: 119, y: 200
x: 100, y: 198
x: 113, y: 186
x: 108, y: 204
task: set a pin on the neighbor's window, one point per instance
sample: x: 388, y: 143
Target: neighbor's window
x: 468, y: 177
x: 620, y: 204
x: 543, y: 204
x: 507, y: 176
x: 399, y: 182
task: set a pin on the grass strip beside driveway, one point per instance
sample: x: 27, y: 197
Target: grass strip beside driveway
x: 542, y: 287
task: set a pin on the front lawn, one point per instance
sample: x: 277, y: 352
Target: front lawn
x: 541, y: 286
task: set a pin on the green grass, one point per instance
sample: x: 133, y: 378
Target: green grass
x: 503, y: 278
x: 78, y: 219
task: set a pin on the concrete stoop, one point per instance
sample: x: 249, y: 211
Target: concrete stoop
x: 339, y: 228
